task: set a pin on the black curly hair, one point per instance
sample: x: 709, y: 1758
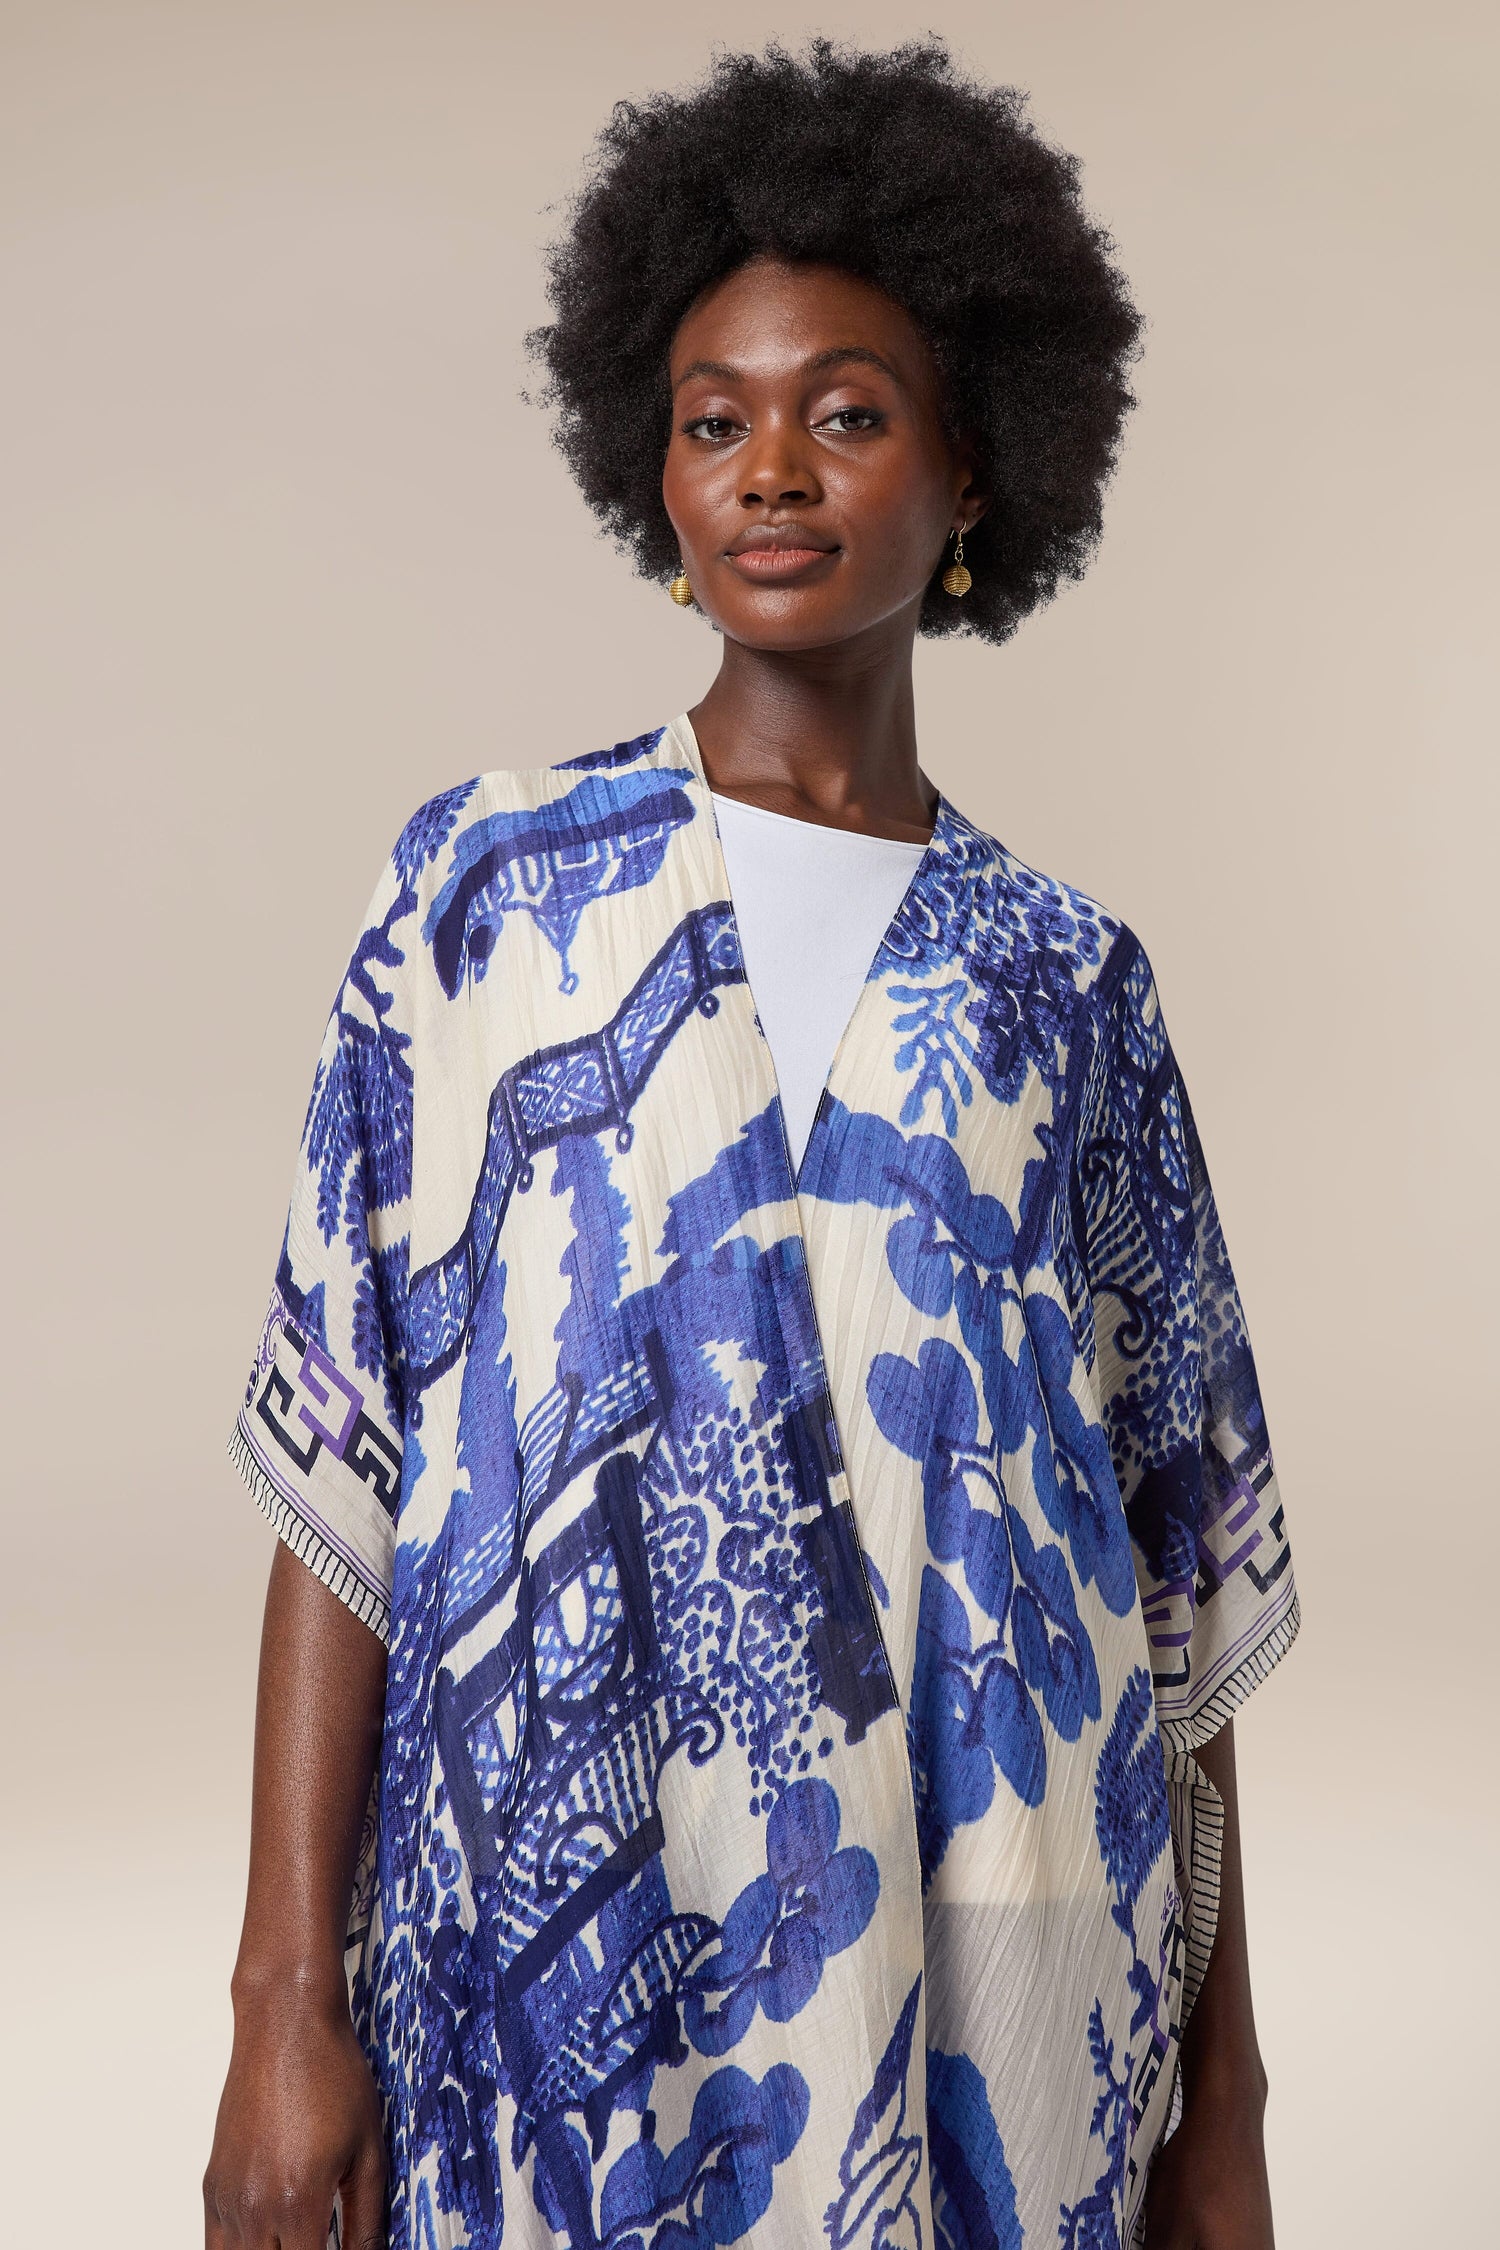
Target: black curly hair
x: 897, y: 168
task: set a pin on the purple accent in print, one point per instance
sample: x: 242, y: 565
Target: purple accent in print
x: 1169, y: 1614
x: 316, y: 1363
x: 1226, y: 1517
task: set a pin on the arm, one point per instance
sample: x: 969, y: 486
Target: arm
x: 1208, y: 2188
x: 299, y: 2118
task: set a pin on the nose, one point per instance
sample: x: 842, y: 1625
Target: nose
x: 776, y: 468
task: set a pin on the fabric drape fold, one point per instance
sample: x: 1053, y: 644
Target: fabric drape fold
x: 803, y: 1598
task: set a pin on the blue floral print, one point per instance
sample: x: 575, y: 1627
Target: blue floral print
x: 802, y: 1598
x: 880, y: 2171
x: 973, y: 2194
x: 813, y: 1900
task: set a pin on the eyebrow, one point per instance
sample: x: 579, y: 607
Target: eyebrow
x: 720, y: 370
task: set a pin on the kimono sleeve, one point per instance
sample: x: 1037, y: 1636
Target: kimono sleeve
x: 1174, y: 1376
x: 319, y: 1436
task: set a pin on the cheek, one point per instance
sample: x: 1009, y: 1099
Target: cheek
x: 898, y: 493
x: 895, y: 529
x: 696, y: 489
x: 673, y: 497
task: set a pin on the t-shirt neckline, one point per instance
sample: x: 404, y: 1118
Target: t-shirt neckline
x: 818, y: 827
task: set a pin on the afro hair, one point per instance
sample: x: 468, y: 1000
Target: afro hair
x: 895, y: 167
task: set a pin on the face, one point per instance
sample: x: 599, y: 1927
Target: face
x: 808, y: 477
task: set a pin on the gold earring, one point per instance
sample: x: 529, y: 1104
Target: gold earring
x: 957, y: 580
x: 681, y: 589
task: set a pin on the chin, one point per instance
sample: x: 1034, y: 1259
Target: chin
x: 790, y: 624
x: 786, y: 639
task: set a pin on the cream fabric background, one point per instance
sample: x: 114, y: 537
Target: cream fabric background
x: 282, y: 551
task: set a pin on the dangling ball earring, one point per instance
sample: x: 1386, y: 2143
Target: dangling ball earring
x: 681, y: 589
x: 957, y: 580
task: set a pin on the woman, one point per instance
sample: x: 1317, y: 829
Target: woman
x: 754, y: 1339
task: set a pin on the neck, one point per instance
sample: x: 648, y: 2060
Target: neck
x: 827, y: 735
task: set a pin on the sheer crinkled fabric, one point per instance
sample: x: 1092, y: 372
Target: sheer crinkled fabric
x: 803, y: 1598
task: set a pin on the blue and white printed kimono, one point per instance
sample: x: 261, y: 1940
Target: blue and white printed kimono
x: 803, y: 1596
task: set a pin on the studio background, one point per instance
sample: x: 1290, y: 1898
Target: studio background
x: 282, y: 551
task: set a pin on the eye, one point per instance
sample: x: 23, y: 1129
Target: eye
x: 848, y: 419
x: 712, y: 428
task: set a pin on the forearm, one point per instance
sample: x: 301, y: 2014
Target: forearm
x: 299, y: 2127
x: 319, y: 1707
x: 1219, y: 2047
x: 1208, y: 2188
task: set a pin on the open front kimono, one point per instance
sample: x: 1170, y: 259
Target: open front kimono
x: 803, y: 1598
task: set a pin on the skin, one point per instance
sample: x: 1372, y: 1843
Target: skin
x: 802, y: 397
x: 806, y: 414
x: 299, y: 2119
x: 1208, y: 2188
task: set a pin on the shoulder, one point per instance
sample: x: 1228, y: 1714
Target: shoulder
x: 1025, y: 916
x: 536, y: 842
x: 529, y: 811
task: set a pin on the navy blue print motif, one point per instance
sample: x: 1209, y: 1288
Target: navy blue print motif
x: 1020, y: 942
x: 1094, y: 2222
x: 379, y: 1341
x: 426, y: 832
x: 1130, y: 1806
x: 955, y: 890
x: 304, y: 1306
x: 716, y: 2183
x: 357, y: 1147
x: 974, y: 1704
x: 632, y: 753
x: 695, y: 1598
x: 813, y: 1900
x: 608, y: 834
x: 1180, y: 1400
x: 1132, y: 1825
x: 936, y: 1046
x: 357, y: 1137
x: 638, y: 1888
x: 746, y: 1586
x: 1043, y: 937
x: 952, y: 1250
x: 580, y: 1087
x: 973, y: 2194
x: 973, y: 1701
x: 358, y: 1130
x: 435, y: 2061
x: 1138, y: 1235
x: 882, y: 2162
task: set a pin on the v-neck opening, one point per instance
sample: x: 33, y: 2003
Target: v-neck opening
x: 818, y: 827
x: 682, y: 730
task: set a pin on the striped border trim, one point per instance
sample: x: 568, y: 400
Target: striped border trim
x: 1199, y: 1808
x: 1205, y: 1868
x: 308, y: 1544
x: 1198, y: 1832
x: 1200, y: 1726
x: 1198, y: 1835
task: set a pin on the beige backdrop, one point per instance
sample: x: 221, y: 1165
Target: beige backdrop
x: 282, y: 551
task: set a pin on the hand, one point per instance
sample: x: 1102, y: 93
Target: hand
x: 299, y: 2121
x: 1208, y: 2188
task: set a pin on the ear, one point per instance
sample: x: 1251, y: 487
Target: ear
x: 974, y: 495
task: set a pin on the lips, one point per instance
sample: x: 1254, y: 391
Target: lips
x: 776, y: 553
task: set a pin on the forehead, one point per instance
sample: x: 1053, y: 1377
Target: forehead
x: 767, y: 318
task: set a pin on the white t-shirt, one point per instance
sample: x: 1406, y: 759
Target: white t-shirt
x: 812, y: 905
